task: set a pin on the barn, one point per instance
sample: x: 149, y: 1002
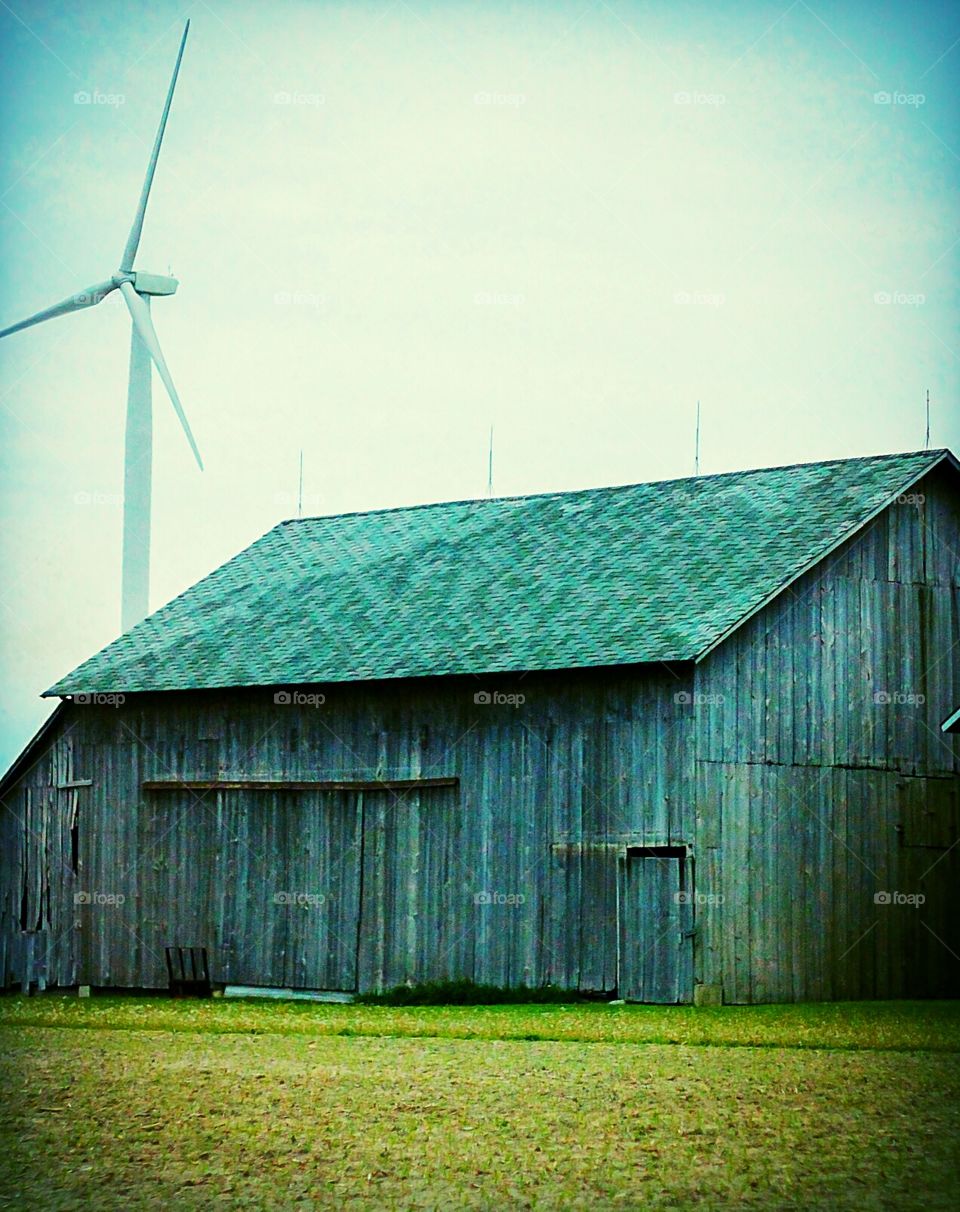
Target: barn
x: 673, y: 742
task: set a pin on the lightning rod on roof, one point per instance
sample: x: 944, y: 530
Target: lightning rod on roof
x: 490, y: 466
x: 926, y: 444
x: 300, y: 490
x: 696, y: 445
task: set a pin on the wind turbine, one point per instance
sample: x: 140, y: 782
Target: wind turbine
x: 137, y: 289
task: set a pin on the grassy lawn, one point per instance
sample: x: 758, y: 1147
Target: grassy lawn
x: 143, y: 1103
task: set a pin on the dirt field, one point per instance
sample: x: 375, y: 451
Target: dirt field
x: 145, y: 1104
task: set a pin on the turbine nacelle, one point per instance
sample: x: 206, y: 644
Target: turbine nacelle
x: 149, y: 284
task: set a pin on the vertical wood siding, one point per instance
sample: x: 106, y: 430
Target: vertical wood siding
x: 823, y: 780
x: 508, y: 878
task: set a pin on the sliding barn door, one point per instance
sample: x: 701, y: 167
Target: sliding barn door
x: 309, y: 889
x: 656, y: 920
x: 292, y: 889
x: 267, y: 880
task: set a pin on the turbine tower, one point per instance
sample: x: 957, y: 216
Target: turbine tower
x: 137, y: 289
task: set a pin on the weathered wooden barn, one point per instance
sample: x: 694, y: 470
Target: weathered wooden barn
x: 673, y: 741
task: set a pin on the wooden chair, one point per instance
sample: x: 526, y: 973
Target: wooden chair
x: 189, y: 973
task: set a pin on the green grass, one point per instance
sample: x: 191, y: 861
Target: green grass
x: 888, y: 1026
x: 135, y: 1103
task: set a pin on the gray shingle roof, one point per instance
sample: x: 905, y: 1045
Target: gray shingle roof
x: 605, y: 576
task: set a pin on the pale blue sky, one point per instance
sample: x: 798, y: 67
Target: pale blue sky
x: 568, y: 220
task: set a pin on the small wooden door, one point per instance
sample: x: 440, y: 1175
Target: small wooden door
x: 656, y: 926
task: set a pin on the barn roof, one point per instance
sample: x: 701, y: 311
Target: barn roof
x: 605, y: 576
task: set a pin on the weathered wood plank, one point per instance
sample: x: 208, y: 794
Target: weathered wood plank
x: 295, y: 785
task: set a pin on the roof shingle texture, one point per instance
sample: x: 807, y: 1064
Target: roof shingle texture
x: 605, y: 576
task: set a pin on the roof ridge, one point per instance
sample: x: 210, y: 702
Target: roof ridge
x: 937, y: 453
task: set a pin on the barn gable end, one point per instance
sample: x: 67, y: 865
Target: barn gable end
x: 827, y: 778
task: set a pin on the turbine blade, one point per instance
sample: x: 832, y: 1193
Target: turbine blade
x: 83, y: 298
x: 142, y: 322
x: 133, y: 240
